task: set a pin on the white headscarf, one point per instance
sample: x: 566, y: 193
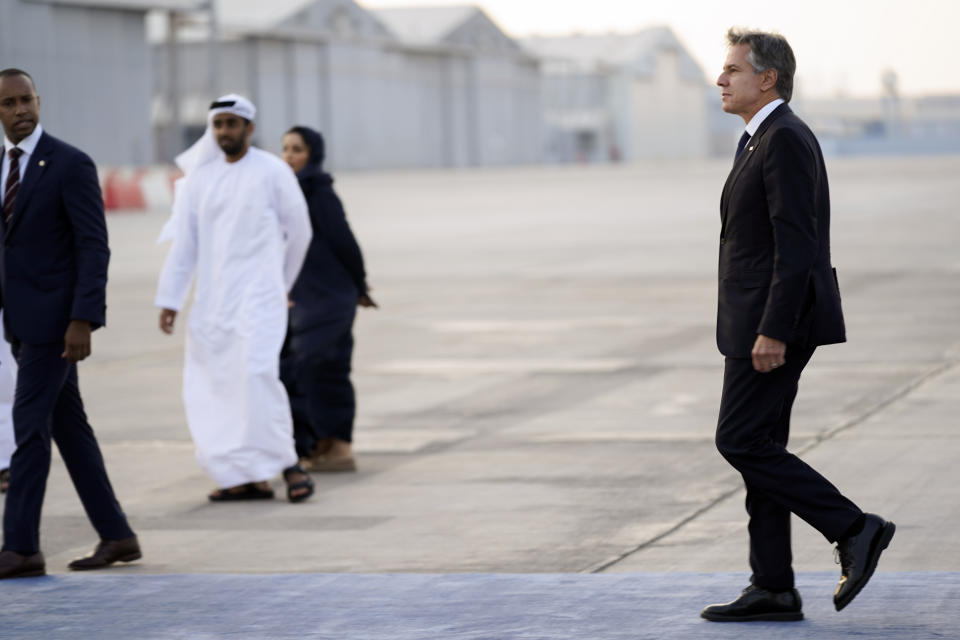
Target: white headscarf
x: 203, y: 151
x: 206, y: 149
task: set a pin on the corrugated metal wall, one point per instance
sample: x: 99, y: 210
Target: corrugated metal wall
x: 378, y: 106
x: 91, y: 67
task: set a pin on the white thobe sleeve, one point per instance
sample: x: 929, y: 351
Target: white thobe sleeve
x: 177, y: 272
x: 294, y: 223
x: 8, y: 385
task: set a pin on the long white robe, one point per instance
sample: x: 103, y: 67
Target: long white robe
x: 243, y: 228
x: 8, y: 384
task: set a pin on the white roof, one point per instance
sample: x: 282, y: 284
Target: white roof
x: 143, y: 5
x: 237, y: 18
x: 637, y: 50
x: 257, y: 14
x: 465, y: 25
x: 424, y: 25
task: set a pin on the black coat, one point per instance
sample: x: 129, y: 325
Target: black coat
x: 332, y: 277
x: 775, y: 276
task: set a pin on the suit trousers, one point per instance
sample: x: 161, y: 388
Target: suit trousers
x: 47, y: 405
x: 752, y: 434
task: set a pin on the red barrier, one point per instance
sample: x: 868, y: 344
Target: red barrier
x: 137, y: 188
x: 121, y: 190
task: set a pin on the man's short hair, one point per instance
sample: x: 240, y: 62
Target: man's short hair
x: 9, y: 73
x: 768, y: 51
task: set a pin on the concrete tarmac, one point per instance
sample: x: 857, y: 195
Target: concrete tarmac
x: 537, y: 399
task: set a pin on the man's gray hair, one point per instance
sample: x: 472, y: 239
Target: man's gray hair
x: 768, y: 51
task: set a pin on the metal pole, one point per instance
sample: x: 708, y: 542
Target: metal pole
x: 213, y: 62
x: 174, y: 135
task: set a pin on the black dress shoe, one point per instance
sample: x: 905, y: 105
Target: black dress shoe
x: 108, y: 552
x: 858, y: 557
x: 14, y: 565
x: 758, y: 604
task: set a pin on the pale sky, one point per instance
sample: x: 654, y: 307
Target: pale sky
x: 842, y: 46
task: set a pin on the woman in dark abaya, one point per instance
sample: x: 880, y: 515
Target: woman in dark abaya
x: 315, y: 362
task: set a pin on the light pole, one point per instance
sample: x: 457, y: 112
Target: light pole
x: 212, y: 54
x: 174, y: 134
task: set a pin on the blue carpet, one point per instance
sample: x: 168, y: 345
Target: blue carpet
x: 106, y: 606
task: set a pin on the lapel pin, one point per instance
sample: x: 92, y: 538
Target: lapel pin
x: 750, y: 149
x: 43, y: 163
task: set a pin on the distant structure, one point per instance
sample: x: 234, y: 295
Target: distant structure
x: 130, y: 81
x: 889, y: 124
x: 91, y: 63
x: 425, y: 87
x: 624, y: 97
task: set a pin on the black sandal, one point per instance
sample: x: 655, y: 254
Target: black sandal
x: 249, y: 491
x: 4, y: 480
x: 303, y: 484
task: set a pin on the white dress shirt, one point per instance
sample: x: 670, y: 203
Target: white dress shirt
x: 27, y: 145
x: 761, y: 115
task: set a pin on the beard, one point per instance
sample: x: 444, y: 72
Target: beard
x: 231, y: 146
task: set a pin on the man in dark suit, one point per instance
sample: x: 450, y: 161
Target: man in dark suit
x: 778, y: 300
x: 53, y: 277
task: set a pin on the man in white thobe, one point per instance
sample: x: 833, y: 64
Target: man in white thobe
x: 241, y: 225
x: 8, y: 384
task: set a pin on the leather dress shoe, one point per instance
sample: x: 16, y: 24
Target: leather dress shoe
x: 15, y: 565
x: 858, y: 557
x: 108, y: 552
x: 756, y: 603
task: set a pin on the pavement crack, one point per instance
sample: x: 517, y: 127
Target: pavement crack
x: 898, y: 393
x: 602, y: 566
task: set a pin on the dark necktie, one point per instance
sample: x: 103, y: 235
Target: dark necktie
x: 741, y: 145
x: 12, y: 186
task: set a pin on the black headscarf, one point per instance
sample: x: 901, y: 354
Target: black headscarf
x: 314, y: 141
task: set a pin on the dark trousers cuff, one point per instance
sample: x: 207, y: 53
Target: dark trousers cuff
x: 781, y: 582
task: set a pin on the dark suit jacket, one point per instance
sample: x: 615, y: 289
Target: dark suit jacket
x: 53, y: 267
x: 775, y: 273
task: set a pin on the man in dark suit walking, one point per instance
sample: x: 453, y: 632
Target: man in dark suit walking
x: 53, y: 277
x: 778, y: 300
